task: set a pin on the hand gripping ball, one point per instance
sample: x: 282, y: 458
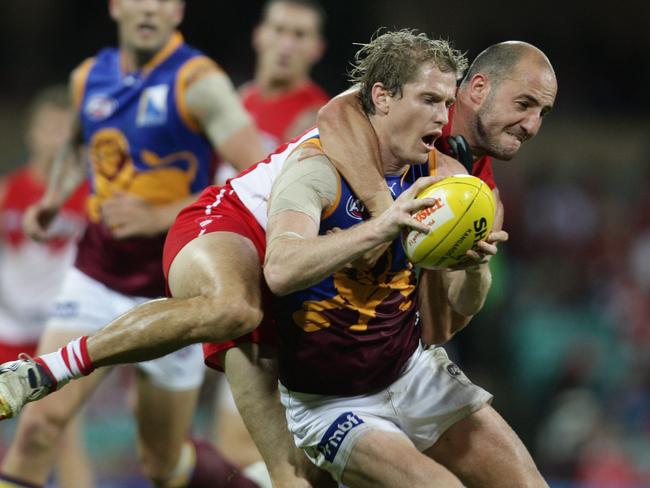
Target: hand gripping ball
x: 462, y: 215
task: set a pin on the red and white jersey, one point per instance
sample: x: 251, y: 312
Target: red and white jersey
x: 253, y: 186
x: 31, y: 273
x: 277, y: 117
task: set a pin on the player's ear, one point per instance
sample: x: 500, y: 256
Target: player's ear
x: 180, y: 12
x: 114, y: 9
x: 380, y: 97
x: 318, y: 50
x: 479, y: 87
x: 256, y: 37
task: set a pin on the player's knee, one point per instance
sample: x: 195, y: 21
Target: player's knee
x: 39, y: 430
x: 157, y: 466
x: 236, y: 317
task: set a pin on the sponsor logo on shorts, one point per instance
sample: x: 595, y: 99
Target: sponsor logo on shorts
x: 66, y: 309
x: 333, y: 438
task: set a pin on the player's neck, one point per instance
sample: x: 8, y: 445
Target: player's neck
x: 134, y: 60
x: 271, y: 87
x: 39, y: 169
x: 391, y: 163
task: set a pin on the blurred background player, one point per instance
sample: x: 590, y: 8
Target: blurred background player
x: 284, y: 102
x: 282, y: 98
x: 151, y: 114
x: 31, y: 273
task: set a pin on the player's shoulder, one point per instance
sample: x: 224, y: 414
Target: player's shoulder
x: 198, y: 66
x: 248, y: 90
x: 483, y: 169
x: 445, y: 165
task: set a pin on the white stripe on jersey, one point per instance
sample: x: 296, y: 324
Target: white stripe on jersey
x: 253, y: 187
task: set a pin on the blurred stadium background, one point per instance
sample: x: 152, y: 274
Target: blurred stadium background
x: 564, y: 342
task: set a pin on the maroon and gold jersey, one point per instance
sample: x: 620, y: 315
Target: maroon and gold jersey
x: 353, y: 332
x: 141, y: 141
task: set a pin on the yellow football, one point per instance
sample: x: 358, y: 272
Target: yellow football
x: 462, y: 215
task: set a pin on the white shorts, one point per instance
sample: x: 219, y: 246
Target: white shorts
x: 85, y: 305
x: 431, y: 395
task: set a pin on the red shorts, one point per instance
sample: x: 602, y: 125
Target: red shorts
x: 218, y: 209
x: 10, y: 352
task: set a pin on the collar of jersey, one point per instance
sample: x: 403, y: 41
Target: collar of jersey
x: 168, y: 49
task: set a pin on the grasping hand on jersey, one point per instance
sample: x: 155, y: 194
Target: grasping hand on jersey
x: 130, y: 216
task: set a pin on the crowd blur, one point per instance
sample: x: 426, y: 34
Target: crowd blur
x: 564, y: 340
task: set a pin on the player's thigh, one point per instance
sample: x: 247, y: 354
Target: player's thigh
x: 253, y: 382
x: 483, y: 451
x: 253, y: 376
x: 230, y: 433
x: 388, y: 459
x: 217, y: 262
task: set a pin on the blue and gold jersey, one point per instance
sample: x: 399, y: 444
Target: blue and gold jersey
x: 141, y: 141
x: 353, y: 332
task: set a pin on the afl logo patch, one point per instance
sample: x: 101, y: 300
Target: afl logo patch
x: 453, y: 370
x: 100, y: 107
x: 355, y: 209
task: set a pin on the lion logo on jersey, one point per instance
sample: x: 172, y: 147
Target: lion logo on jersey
x: 361, y: 292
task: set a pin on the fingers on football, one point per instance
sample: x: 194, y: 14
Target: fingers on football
x: 498, y: 236
x: 485, y: 248
x: 412, y: 206
x: 415, y: 225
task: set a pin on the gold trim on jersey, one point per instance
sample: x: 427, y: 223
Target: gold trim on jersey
x: 79, y: 77
x: 191, y: 71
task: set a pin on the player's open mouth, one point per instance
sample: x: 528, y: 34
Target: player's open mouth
x: 146, y: 29
x: 430, y: 139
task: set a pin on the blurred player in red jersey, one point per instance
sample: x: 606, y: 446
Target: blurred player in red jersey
x: 282, y: 98
x: 218, y: 297
x: 151, y: 114
x: 31, y: 273
x: 500, y: 104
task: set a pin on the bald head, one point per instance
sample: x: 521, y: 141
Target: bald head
x: 505, y: 59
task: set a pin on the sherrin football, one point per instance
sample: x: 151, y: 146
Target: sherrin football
x: 462, y: 215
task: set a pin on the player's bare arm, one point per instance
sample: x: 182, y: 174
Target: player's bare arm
x: 296, y: 256
x: 66, y: 174
x: 213, y: 102
x: 348, y: 137
x: 450, y: 298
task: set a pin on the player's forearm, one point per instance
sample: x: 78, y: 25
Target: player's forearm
x: 468, y: 289
x: 66, y: 174
x: 243, y: 148
x: 351, y: 144
x: 438, y: 320
x: 293, y: 263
